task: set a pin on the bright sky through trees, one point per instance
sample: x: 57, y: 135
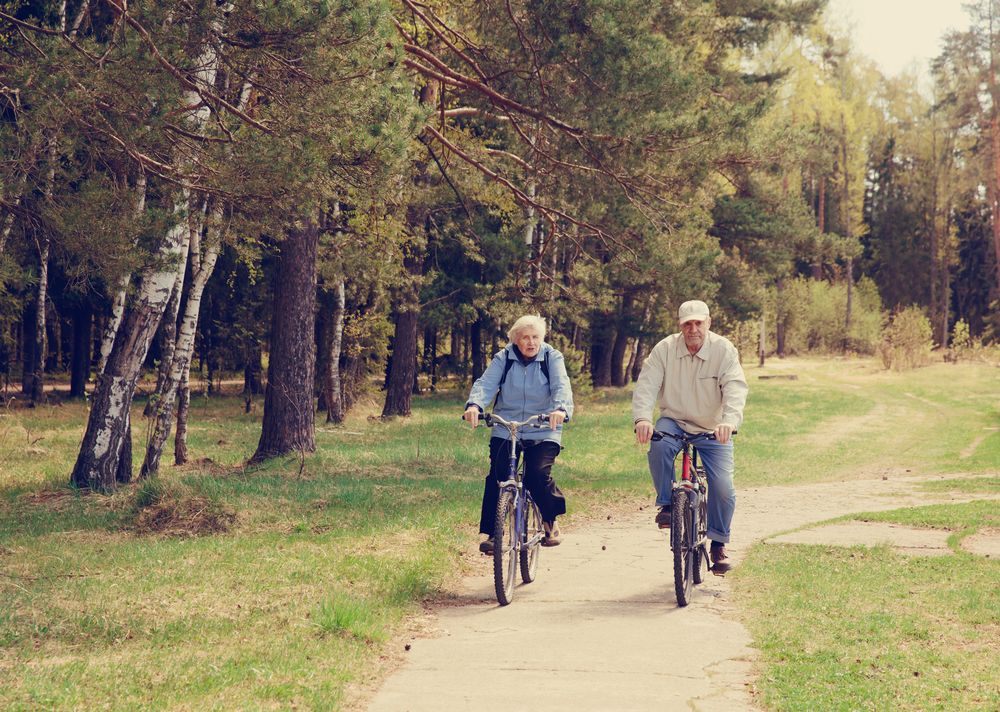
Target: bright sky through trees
x: 897, y: 33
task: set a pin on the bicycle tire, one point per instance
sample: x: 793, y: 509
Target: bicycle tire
x: 530, y: 552
x: 700, y: 551
x: 681, y: 541
x: 505, y: 548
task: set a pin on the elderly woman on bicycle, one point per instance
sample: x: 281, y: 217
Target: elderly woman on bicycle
x: 528, y: 377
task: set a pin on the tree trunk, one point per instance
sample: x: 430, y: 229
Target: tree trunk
x: 289, y: 420
x: 331, y: 385
x: 476, y: 356
x: 252, y: 372
x: 37, y: 393
x: 779, y: 320
x: 638, y: 357
x: 55, y: 361
x: 617, y: 364
x: 428, y: 351
x: 29, y: 335
x: 817, y: 267
x: 762, y: 341
x: 202, y: 266
x: 601, y: 344
x: 183, y: 406
x: 848, y: 233
x: 402, y: 366
x: 101, y: 461
x: 168, y: 340
x: 402, y: 370
x: 80, y: 356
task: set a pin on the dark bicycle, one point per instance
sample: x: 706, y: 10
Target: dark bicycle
x: 517, y: 530
x: 689, y: 516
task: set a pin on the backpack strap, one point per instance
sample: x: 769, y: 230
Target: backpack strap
x: 507, y: 365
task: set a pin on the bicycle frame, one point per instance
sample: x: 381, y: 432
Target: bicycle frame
x: 512, y: 546
x: 689, y: 527
x: 515, y: 477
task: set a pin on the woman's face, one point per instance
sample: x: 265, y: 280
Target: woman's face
x: 528, y: 341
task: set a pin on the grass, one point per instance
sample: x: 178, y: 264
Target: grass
x: 222, y: 587
x: 866, y: 628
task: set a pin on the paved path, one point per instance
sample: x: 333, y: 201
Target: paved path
x: 600, y: 629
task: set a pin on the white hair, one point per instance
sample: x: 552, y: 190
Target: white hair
x: 528, y: 321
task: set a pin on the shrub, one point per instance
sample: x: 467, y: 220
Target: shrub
x: 907, y: 341
x: 814, y: 313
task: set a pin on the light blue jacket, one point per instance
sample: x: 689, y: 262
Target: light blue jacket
x: 525, y: 392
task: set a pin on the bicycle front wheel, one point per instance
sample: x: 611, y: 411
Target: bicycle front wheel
x: 505, y: 548
x: 531, y: 546
x: 682, y: 543
x: 701, y: 557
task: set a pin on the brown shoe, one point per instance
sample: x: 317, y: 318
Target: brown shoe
x: 551, y: 537
x: 720, y: 563
x: 663, y: 518
x: 487, y: 546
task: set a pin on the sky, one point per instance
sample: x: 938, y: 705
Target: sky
x: 897, y: 33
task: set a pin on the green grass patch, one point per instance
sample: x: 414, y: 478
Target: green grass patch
x: 860, y: 628
x: 988, y: 484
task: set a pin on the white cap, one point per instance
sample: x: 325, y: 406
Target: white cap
x: 692, y: 310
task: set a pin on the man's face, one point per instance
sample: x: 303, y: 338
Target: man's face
x: 695, y: 332
x: 528, y: 340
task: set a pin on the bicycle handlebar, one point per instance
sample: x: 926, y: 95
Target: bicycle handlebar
x: 537, y: 421
x: 686, y: 437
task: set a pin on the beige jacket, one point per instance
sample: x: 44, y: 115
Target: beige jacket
x: 698, y: 391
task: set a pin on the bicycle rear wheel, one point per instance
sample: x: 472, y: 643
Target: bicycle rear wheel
x: 532, y: 543
x: 505, y: 548
x: 682, y: 543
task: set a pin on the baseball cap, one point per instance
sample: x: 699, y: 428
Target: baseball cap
x: 691, y: 310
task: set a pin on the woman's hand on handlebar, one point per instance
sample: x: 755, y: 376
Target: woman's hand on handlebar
x: 471, y: 414
x: 556, y: 418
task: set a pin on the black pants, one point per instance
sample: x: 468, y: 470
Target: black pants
x: 538, y: 460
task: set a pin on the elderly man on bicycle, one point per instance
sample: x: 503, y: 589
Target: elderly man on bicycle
x: 695, y: 380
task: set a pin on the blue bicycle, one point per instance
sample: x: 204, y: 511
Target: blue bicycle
x: 517, y: 529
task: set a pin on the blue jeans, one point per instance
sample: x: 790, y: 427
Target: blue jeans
x: 718, y: 461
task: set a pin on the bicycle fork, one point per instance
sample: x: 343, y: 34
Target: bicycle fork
x: 694, y: 490
x: 517, y: 487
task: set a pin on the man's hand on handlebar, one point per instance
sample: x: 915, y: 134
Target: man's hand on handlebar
x: 471, y: 414
x: 723, y: 431
x: 643, y: 432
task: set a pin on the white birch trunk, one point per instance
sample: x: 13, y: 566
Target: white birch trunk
x: 99, y: 464
x: 168, y: 328
x: 202, y: 266
x: 183, y: 402
x: 334, y: 402
x: 41, y: 336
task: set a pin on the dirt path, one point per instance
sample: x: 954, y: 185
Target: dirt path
x: 600, y: 629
